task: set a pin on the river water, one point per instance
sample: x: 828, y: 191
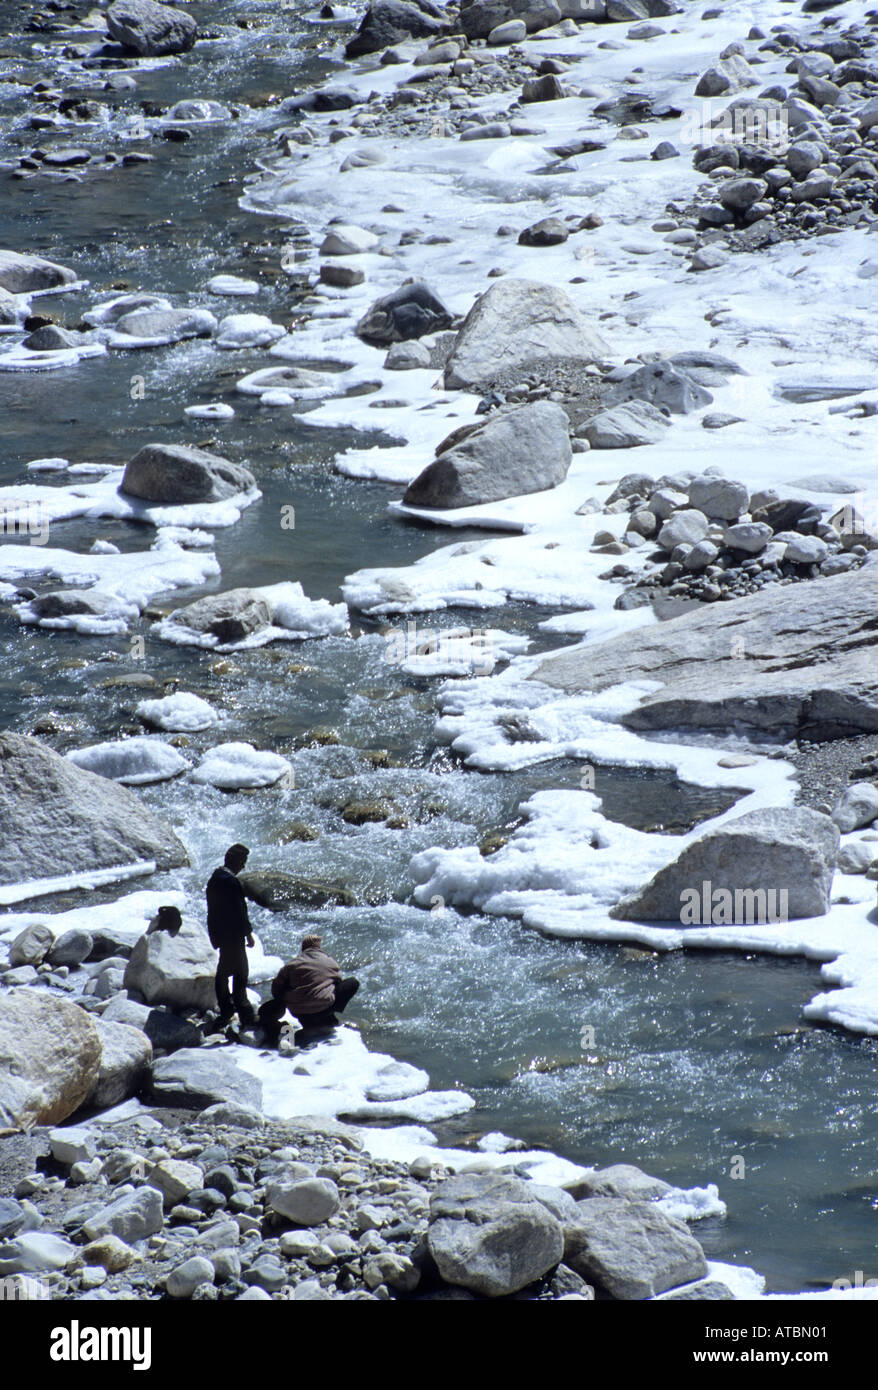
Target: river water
x: 698, y: 1067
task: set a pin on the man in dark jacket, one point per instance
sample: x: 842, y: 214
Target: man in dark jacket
x: 228, y: 927
x: 311, y: 987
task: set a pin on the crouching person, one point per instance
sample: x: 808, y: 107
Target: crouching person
x: 311, y: 988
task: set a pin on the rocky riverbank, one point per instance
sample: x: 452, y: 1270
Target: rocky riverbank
x: 227, y: 1205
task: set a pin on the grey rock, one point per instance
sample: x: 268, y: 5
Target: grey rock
x: 50, y: 338
x: 306, y: 1201
x: 719, y: 498
x: 707, y: 1291
x: 23, y: 274
x: 512, y: 31
x: 176, y: 473
x: 626, y: 426
x: 279, y: 891
x: 803, y: 389
x: 71, y: 948
x: 708, y: 258
x: 267, y: 1273
x: 805, y: 550
x: 662, y: 384
x: 857, y: 856
x: 33, y: 1252
x: 131, y: 1217
x: 686, y: 527
x: 514, y: 452
x: 12, y: 1217
x: 412, y: 311
x: 175, y: 970
x: 740, y: 194
x: 237, y: 1116
x: 802, y: 157
x: 175, y: 1179
x: 230, y: 616
x: 513, y: 325
x: 185, y: 1278
x: 749, y: 536
x: 777, y: 850
x: 63, y: 603
x: 157, y: 327
x: 631, y: 1249
x: 729, y: 74
x: 620, y: 1180
x: 700, y: 556
x: 490, y: 1234
x: 480, y: 17
x: 166, y: 1030
x: 550, y: 231
x: 192, y: 1079
x: 857, y: 808
x: 810, y: 663
x: 151, y: 29
x: 49, y: 1058
x: 406, y: 357
x: 31, y: 946
x: 126, y: 1056
x: 59, y: 819
x: 387, y: 22
x: 545, y: 88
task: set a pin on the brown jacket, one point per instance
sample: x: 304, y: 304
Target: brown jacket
x: 307, y: 984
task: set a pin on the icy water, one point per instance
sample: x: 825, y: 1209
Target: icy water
x: 694, y: 1066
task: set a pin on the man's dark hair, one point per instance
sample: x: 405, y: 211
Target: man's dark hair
x: 236, y: 854
x: 311, y: 942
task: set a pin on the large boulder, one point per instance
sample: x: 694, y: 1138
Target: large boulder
x: 490, y: 1233
x: 481, y: 16
x: 513, y: 325
x: 23, y: 274
x: 50, y: 1054
x: 176, y: 970
x: 177, y: 473
x: 773, y: 864
x: 626, y: 426
x: 58, y: 819
x: 230, y: 617
x: 387, y: 22
x: 632, y: 1250
x: 662, y: 384
x: 796, y: 661
x: 126, y: 1055
x: 409, y: 312
x: 520, y: 451
x: 151, y: 29
x: 193, y: 1078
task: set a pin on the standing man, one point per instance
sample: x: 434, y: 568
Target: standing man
x: 311, y: 987
x: 228, y: 927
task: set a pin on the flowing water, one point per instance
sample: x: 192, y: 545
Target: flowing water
x: 697, y: 1066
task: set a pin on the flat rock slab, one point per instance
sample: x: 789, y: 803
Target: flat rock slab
x: 193, y: 1078
x: 794, y: 660
x: 631, y: 1249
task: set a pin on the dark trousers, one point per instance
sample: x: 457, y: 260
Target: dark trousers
x: 273, y: 1010
x: 233, y: 963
